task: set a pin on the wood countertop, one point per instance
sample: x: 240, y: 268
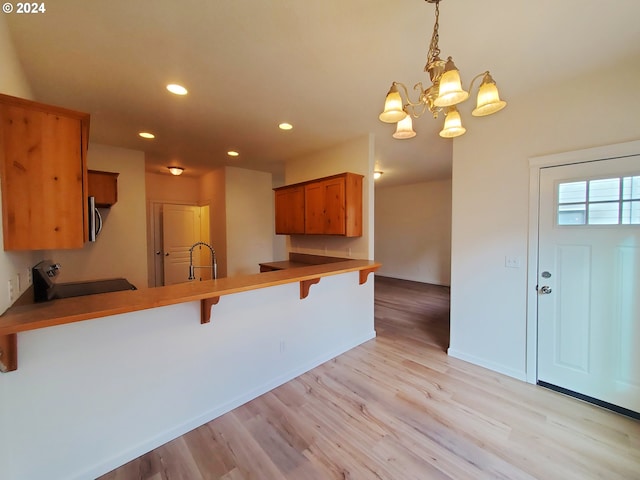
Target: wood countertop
x: 68, y: 310
x: 297, y: 260
x: 282, y: 265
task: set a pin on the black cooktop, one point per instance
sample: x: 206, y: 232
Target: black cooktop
x: 45, y: 287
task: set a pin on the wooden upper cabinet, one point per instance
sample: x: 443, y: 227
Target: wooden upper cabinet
x: 43, y: 173
x: 289, y: 210
x: 331, y: 205
x: 104, y: 187
x: 314, y: 218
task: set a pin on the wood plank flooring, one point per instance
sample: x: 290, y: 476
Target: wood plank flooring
x: 398, y: 407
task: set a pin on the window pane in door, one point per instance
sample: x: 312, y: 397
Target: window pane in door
x: 631, y: 213
x: 574, y: 192
x: 605, y: 189
x: 631, y: 188
x: 571, y: 214
x: 604, y: 213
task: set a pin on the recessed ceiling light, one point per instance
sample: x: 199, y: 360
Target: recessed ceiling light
x: 177, y: 89
x: 285, y: 126
x: 233, y: 153
x: 147, y: 135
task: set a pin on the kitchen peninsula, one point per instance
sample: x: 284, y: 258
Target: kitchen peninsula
x: 63, y: 311
x: 151, y: 365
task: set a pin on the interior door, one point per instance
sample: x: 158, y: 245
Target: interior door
x: 180, y: 230
x: 589, y: 279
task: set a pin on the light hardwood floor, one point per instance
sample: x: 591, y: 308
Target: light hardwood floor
x: 398, y: 407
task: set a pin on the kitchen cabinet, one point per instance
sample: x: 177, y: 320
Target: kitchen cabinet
x: 104, y: 187
x: 289, y: 205
x: 44, y: 175
x: 332, y: 206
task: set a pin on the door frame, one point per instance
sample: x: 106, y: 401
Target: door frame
x: 155, y: 271
x: 605, y: 152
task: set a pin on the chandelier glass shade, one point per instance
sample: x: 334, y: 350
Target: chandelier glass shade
x: 404, y: 128
x: 452, y: 124
x: 444, y: 93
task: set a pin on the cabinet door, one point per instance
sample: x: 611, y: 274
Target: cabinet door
x: 353, y: 205
x: 314, y: 208
x: 334, y: 206
x: 43, y: 175
x: 325, y: 207
x: 289, y: 210
x: 104, y: 187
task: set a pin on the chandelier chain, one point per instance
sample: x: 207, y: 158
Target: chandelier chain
x: 434, y: 50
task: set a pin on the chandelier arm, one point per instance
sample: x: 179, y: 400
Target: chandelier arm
x: 411, y: 109
x: 406, y: 93
x: 475, y: 78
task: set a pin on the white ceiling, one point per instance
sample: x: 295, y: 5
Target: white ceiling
x: 324, y: 66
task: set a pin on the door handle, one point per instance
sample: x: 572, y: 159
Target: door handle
x: 545, y: 290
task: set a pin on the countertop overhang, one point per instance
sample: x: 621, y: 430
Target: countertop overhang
x: 68, y: 310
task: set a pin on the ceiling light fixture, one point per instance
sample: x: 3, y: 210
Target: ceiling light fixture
x: 285, y: 126
x: 233, y: 153
x: 444, y: 93
x: 147, y: 135
x: 176, y: 170
x: 177, y: 89
x: 377, y: 174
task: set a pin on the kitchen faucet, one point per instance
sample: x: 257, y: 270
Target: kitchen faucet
x: 214, y: 264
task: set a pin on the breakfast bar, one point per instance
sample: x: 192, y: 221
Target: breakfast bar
x: 59, y: 312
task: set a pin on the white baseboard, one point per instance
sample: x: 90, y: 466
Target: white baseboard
x: 496, y: 367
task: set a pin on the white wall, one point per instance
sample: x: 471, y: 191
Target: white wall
x: 121, y: 249
x: 167, y: 188
x: 250, y: 220
x: 491, y: 195
x: 356, y: 156
x: 213, y: 193
x: 12, y: 82
x: 88, y: 397
x: 413, y: 231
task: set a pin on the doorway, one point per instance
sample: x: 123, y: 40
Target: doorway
x: 586, y: 274
x: 176, y: 227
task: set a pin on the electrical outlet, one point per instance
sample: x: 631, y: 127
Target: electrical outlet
x: 11, y: 291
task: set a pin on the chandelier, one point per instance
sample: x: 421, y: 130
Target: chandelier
x: 444, y: 93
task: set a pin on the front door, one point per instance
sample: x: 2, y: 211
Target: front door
x: 589, y: 280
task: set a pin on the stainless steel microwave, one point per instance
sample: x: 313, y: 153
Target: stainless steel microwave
x: 95, y: 220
